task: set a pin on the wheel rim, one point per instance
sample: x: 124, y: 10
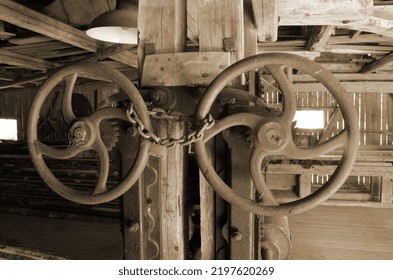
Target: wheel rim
x: 351, y: 126
x: 100, y: 72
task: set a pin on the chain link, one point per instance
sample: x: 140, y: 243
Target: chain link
x: 159, y: 113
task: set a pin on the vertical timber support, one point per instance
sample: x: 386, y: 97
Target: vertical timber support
x: 220, y: 27
x: 163, y: 221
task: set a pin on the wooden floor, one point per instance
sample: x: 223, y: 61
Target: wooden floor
x: 75, y: 239
x: 325, y: 232
x: 342, y: 233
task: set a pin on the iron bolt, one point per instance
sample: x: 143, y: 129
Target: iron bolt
x: 133, y: 227
x: 236, y: 235
x: 237, y: 131
x: 273, y: 136
x: 132, y: 131
x: 80, y: 134
x: 155, y: 97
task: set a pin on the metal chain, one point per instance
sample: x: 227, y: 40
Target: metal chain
x: 159, y: 113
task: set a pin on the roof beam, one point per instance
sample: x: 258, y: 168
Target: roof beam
x: 24, y: 17
x: 374, y: 25
x: 25, y: 61
x: 322, y: 12
x: 378, y: 64
x: 361, y: 87
x: 319, y: 37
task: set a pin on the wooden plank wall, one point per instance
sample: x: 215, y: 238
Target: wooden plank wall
x: 374, y: 109
x: 16, y: 105
x: 375, y: 121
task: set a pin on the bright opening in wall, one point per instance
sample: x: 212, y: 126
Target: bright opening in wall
x: 309, y: 119
x: 8, y: 129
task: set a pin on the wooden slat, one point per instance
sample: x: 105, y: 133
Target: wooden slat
x: 182, y: 69
x: 308, y: 54
x: 357, y: 49
x: 362, y: 38
x: 328, y: 169
x: 386, y: 189
x: 346, y: 77
x: 363, y: 87
x: 320, y: 12
x: 25, y: 61
x: 19, y: 15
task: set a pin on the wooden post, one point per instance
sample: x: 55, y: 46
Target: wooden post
x: 217, y: 20
x: 162, y: 27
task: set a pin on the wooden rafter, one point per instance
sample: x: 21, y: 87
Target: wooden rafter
x: 373, y: 25
x: 98, y: 56
x: 321, y: 12
x: 24, y: 17
x: 378, y: 64
x: 319, y: 37
x: 25, y: 61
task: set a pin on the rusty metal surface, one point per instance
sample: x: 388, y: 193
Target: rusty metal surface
x: 278, y: 130
x: 85, y: 132
x: 242, y: 234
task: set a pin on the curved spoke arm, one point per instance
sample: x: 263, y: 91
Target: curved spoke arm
x: 108, y: 113
x: 246, y: 119
x: 289, y: 102
x: 56, y: 153
x: 68, y: 113
x: 102, y: 152
x: 318, y: 150
x: 258, y: 179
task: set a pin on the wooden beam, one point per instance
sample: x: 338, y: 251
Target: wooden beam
x: 362, y: 38
x: 379, y: 64
x: 383, y: 11
x: 183, y: 69
x: 303, y: 78
x: 25, y: 61
x: 192, y: 21
x: 328, y: 169
x: 319, y: 37
x: 373, y: 25
x: 19, y: 15
x: 162, y: 26
x: 308, y: 54
x: 331, y: 126
x: 304, y: 185
x: 361, y: 87
x: 386, y: 189
x: 219, y: 20
x: 321, y: 12
x: 98, y: 56
x: 357, y: 49
x: 266, y: 19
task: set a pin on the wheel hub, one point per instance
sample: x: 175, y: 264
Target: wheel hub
x: 82, y: 133
x: 272, y: 136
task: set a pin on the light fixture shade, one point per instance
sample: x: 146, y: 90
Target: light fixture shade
x: 117, y: 26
